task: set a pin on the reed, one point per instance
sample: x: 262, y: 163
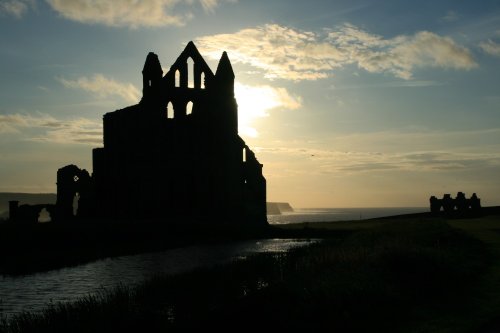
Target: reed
x: 411, y: 276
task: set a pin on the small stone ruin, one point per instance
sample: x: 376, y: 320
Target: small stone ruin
x: 458, y: 205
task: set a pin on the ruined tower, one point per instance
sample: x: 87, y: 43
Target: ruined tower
x: 177, y: 155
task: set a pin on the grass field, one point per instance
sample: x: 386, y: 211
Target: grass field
x: 399, y: 275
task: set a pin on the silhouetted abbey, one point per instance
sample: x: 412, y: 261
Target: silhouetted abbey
x: 460, y: 205
x: 176, y: 155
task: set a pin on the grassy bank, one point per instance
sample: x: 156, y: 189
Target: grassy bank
x: 26, y: 249
x: 407, y: 275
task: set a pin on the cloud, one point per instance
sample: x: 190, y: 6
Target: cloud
x: 391, y: 84
x: 424, y: 49
x: 425, y: 161
x: 451, y: 16
x: 45, y: 128
x: 327, y: 161
x: 280, y: 51
x: 9, y: 123
x: 103, y: 87
x: 490, y: 47
x: 406, y: 151
x: 292, y: 54
x: 209, y: 5
x: 130, y: 13
x: 256, y: 102
x: 16, y: 8
x: 400, y: 55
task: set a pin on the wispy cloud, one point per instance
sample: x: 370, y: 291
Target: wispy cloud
x: 391, y: 84
x: 257, y: 101
x: 490, y: 47
x: 451, y: 16
x: 401, y: 55
x: 103, y: 87
x: 423, y: 161
x: 327, y: 161
x: 45, y: 128
x: 130, y: 13
x: 413, y: 83
x: 287, y: 53
x: 16, y: 8
x: 210, y: 5
x: 280, y: 51
x: 431, y: 151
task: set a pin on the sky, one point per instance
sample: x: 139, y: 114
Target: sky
x: 346, y: 103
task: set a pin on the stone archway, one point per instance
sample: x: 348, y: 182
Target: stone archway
x: 73, y: 182
x: 43, y: 215
x: 30, y: 214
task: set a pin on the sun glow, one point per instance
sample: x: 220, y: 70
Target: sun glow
x: 256, y: 102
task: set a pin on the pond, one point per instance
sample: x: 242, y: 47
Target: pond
x: 33, y: 292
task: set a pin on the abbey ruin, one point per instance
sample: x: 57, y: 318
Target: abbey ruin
x: 174, y: 156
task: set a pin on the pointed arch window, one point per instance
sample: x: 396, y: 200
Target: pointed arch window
x: 189, y: 108
x: 190, y: 72
x: 202, y: 80
x: 170, y: 110
x: 177, y: 78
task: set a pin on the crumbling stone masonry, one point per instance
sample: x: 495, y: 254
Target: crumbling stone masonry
x: 174, y: 156
x: 460, y: 205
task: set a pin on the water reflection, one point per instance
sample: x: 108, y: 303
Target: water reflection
x: 33, y: 292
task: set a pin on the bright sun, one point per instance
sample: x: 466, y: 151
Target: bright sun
x: 255, y: 102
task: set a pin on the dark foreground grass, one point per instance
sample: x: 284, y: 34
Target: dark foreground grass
x: 27, y: 249
x: 416, y: 276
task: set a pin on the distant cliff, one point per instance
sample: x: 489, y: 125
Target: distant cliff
x: 277, y: 208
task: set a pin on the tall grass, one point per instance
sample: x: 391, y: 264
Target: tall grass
x: 412, y: 276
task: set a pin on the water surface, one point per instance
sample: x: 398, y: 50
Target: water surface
x: 33, y: 292
x: 340, y: 214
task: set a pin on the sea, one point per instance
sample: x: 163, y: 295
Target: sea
x: 340, y: 214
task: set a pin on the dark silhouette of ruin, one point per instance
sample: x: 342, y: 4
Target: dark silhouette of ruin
x: 459, y: 206
x: 175, y: 156
x: 73, y: 182
x: 28, y: 214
